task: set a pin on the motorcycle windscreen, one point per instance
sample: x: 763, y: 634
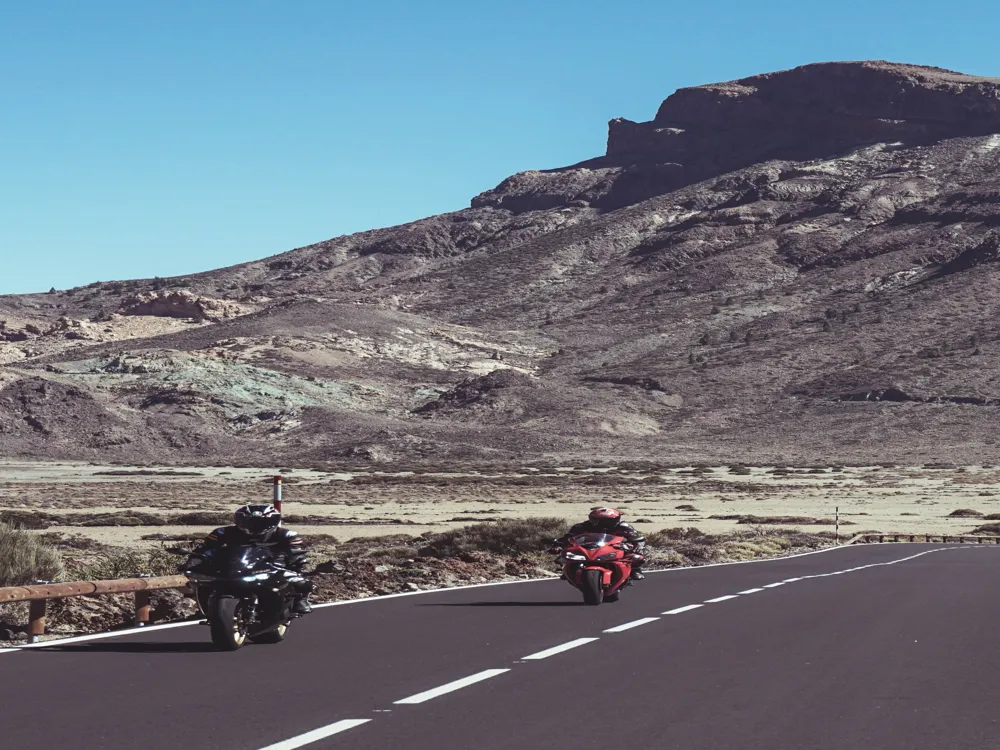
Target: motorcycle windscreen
x: 238, y: 559
x: 593, y: 540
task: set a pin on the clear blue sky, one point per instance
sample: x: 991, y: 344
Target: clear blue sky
x: 161, y: 138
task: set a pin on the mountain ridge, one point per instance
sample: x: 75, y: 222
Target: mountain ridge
x: 761, y: 276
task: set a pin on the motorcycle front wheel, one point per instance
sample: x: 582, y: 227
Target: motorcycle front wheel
x: 593, y: 588
x: 230, y: 623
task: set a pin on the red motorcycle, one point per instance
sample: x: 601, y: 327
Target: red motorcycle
x: 598, y: 564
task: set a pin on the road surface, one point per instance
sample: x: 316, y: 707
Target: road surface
x: 873, y: 646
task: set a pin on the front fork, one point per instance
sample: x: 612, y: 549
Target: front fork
x: 574, y: 573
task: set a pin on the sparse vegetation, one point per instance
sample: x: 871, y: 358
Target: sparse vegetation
x: 772, y: 520
x: 111, y: 564
x: 965, y: 513
x: 25, y: 558
x: 989, y: 528
x: 508, y: 536
x: 690, y: 546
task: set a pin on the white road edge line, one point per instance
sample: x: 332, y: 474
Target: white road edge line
x: 718, y: 599
x: 750, y: 591
x: 96, y: 636
x: 317, y: 734
x: 679, y: 610
x: 361, y: 600
x: 630, y: 625
x: 450, y: 687
x: 559, y: 649
x: 774, y: 585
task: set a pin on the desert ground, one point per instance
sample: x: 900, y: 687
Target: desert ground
x: 144, y: 506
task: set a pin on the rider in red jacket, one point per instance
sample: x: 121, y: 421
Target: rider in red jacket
x: 609, y: 521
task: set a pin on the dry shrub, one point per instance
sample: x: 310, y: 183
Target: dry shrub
x: 200, y: 518
x: 24, y: 558
x: 26, y: 519
x: 664, y: 537
x: 965, y: 513
x: 506, y: 536
x: 689, y: 546
x: 129, y: 564
x: 990, y: 528
x: 772, y: 520
x: 123, y: 518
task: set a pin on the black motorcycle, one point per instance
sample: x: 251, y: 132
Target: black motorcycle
x: 243, y: 593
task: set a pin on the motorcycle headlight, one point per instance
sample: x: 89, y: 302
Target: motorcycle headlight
x: 607, y: 556
x: 256, y: 577
x: 573, y: 556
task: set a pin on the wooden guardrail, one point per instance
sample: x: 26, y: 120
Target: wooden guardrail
x: 38, y: 595
x: 945, y: 538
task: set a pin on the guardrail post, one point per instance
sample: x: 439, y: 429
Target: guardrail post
x: 36, y: 620
x: 142, y: 608
x: 980, y: 541
x: 881, y: 538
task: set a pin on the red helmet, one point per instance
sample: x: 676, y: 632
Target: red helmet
x: 605, y: 519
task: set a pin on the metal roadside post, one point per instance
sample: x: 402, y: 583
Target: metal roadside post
x: 837, y: 526
x: 36, y: 620
x: 277, y: 493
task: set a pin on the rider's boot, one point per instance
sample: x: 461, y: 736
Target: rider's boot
x: 301, y: 605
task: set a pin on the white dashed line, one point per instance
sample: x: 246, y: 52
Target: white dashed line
x: 630, y: 625
x: 750, y: 591
x: 791, y: 580
x: 451, y: 687
x: 679, y: 610
x: 317, y: 734
x: 721, y: 599
x: 559, y: 649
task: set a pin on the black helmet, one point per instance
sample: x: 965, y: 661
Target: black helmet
x: 258, y: 522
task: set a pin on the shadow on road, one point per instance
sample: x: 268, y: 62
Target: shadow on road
x: 135, y: 648
x: 506, y: 604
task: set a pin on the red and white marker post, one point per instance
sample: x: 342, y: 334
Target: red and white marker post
x: 277, y: 493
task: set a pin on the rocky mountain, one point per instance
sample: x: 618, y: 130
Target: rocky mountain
x: 795, y: 267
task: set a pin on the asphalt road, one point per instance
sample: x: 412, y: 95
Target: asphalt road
x: 890, y: 656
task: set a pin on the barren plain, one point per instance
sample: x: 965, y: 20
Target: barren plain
x: 77, y: 499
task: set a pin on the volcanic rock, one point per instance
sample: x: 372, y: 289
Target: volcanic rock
x: 800, y: 266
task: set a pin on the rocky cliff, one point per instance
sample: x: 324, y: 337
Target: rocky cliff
x: 731, y: 281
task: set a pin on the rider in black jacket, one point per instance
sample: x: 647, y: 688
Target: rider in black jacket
x: 609, y: 521
x: 261, y: 525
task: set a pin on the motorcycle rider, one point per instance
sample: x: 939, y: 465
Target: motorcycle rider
x: 260, y: 525
x: 609, y: 521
